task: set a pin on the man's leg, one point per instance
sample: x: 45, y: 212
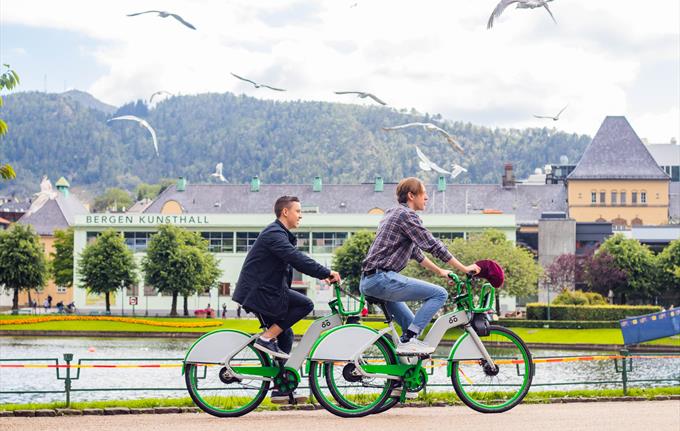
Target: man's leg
x: 399, y: 288
x: 377, y: 285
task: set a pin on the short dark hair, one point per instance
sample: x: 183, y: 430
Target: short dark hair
x: 409, y: 185
x: 284, y: 202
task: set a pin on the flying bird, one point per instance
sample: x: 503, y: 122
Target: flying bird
x: 159, y: 93
x: 362, y: 95
x: 555, y: 118
x: 142, y: 123
x: 255, y: 84
x: 218, y: 173
x: 521, y: 4
x: 431, y: 128
x: 164, y: 14
x: 427, y: 165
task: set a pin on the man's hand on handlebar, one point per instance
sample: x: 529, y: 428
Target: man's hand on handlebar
x: 334, y: 278
x: 473, y: 269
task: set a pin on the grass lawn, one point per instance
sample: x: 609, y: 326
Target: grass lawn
x: 429, y: 398
x: 530, y: 335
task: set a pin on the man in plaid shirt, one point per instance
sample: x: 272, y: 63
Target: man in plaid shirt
x: 401, y: 236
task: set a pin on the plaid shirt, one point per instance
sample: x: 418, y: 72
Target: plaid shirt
x: 401, y: 236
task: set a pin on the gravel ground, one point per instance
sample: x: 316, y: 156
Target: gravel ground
x: 602, y: 416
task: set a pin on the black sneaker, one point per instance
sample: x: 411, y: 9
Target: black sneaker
x: 294, y: 398
x: 270, y: 347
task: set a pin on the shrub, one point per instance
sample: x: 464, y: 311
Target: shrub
x: 538, y: 311
x: 567, y: 297
x: 595, y: 298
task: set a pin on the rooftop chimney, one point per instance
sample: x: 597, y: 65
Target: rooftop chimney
x: 255, y: 184
x: 181, y: 184
x: 318, y: 184
x: 441, y: 184
x: 62, y: 186
x: 508, y: 176
x: 379, y: 185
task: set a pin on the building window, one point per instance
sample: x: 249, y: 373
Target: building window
x: 675, y: 173
x: 580, y: 196
x: 633, y: 198
x: 643, y: 197
x: 61, y: 289
x: 602, y: 197
x: 614, y: 198
x: 137, y: 241
x: 150, y: 291
x: 303, y: 241
x: 91, y: 237
x: 132, y: 290
x: 448, y: 235
x: 636, y: 221
x: 326, y: 242
x: 593, y: 197
x: 219, y: 242
x: 297, y: 278
x: 245, y: 241
x: 224, y: 289
x: 623, y: 198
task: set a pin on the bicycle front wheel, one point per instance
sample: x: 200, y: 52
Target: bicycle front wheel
x: 498, y: 388
x: 347, y: 393
x: 216, y: 392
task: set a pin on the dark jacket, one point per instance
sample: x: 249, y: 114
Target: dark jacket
x: 267, y: 272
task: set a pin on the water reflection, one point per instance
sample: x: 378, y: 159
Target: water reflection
x: 157, y: 382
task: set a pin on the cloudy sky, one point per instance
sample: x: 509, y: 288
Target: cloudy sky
x: 605, y: 57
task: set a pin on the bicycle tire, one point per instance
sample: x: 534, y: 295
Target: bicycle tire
x: 485, y: 402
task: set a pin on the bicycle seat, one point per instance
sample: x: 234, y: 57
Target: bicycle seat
x: 380, y: 303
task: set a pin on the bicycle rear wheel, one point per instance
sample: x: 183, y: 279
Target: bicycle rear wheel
x: 346, y: 393
x: 495, y: 390
x: 221, y: 395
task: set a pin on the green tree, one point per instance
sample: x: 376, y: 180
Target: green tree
x: 61, y: 266
x: 668, y: 262
x: 8, y: 79
x: 114, y: 199
x: 107, y: 265
x: 521, y: 271
x: 178, y: 262
x: 637, y: 261
x: 22, y: 261
x: 348, y: 257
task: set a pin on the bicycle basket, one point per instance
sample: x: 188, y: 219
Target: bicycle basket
x: 347, y: 303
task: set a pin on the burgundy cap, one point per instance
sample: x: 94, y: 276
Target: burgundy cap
x: 491, y: 271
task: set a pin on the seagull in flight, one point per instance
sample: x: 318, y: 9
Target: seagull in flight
x: 218, y: 173
x: 142, y: 123
x: 362, y: 95
x: 521, y: 4
x: 427, y: 165
x: 255, y: 84
x: 159, y: 93
x: 431, y: 128
x: 164, y: 14
x: 555, y: 118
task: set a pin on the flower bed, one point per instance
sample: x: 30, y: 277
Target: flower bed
x: 40, y: 319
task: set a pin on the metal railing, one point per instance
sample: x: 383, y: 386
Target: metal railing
x: 623, y: 365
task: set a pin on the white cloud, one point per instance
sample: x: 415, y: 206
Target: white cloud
x: 435, y: 56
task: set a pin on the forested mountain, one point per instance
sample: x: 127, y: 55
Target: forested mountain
x: 288, y: 142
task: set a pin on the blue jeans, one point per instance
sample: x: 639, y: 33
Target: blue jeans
x: 395, y: 288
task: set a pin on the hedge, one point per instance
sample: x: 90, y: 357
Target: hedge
x: 559, y: 324
x: 538, y: 311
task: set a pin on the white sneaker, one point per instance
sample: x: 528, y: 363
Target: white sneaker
x: 414, y: 347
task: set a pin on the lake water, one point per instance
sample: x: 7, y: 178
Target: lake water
x: 169, y: 382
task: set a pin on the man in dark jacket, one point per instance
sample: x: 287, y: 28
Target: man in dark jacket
x: 263, y: 286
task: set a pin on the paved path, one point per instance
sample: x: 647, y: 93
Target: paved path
x: 612, y: 416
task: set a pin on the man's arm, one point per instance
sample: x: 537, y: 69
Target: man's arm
x: 278, y: 243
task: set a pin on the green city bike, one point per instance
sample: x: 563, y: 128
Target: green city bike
x: 490, y: 367
x: 227, y: 377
